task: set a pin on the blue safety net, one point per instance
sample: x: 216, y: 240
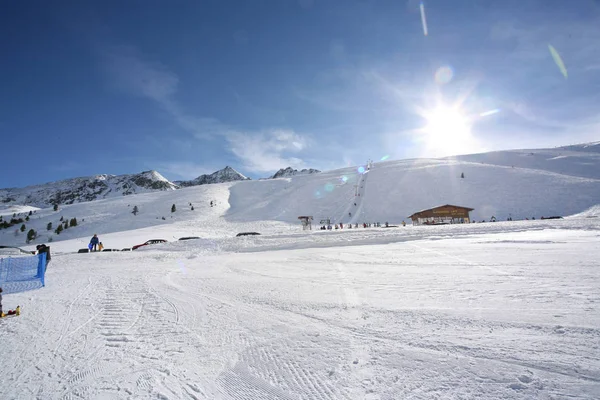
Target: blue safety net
x: 19, y: 274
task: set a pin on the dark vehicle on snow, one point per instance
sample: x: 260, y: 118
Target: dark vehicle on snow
x: 152, y: 241
x: 189, y: 238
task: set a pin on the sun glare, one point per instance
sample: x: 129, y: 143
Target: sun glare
x: 447, y: 131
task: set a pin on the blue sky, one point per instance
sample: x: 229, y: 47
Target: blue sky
x: 187, y: 87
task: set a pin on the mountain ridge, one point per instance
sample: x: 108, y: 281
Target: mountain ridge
x: 87, y: 188
x: 226, y: 174
x: 289, y: 171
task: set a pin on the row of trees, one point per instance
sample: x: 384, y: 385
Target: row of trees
x: 136, y: 210
x: 63, y: 225
x: 32, y: 233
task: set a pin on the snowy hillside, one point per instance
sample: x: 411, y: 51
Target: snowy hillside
x: 83, y: 189
x: 389, y: 192
x: 393, y: 190
x: 226, y: 174
x: 289, y: 171
x: 577, y: 160
x: 475, y: 311
x: 504, y: 310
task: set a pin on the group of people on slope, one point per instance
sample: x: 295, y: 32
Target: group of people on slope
x: 95, y: 243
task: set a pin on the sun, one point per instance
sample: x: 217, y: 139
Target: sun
x: 447, y: 132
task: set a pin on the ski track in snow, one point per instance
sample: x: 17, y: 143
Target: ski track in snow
x: 477, y: 316
x: 506, y: 310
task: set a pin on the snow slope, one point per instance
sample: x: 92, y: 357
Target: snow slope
x: 389, y: 192
x: 502, y: 315
x: 577, y: 160
x: 504, y: 310
x: 393, y: 190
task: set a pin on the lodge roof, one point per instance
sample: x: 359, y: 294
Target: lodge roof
x: 444, y: 205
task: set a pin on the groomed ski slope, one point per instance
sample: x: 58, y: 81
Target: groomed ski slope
x: 434, y: 312
x: 497, y: 310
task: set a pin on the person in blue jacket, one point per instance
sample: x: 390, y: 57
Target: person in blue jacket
x: 94, y: 243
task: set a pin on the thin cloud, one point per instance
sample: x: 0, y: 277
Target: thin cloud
x: 259, y: 151
x: 131, y: 73
x: 268, y: 151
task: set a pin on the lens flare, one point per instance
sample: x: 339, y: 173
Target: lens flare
x: 329, y: 187
x: 558, y: 61
x: 489, y: 112
x: 444, y: 75
x: 423, y: 19
x: 344, y: 179
x: 361, y: 170
x: 385, y: 157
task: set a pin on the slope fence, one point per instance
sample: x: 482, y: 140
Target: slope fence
x: 19, y: 274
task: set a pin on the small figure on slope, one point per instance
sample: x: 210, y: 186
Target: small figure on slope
x: 42, y: 248
x: 93, y: 246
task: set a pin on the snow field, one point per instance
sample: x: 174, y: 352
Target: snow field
x: 510, y: 314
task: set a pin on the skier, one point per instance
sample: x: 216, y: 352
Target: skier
x: 94, y: 242
x: 100, y: 246
x: 349, y: 214
x: 42, y: 248
x: 341, y: 225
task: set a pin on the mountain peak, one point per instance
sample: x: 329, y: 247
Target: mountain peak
x: 226, y: 174
x: 289, y: 171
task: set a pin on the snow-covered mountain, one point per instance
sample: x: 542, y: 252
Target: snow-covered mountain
x: 289, y: 171
x: 85, y: 189
x: 518, y: 184
x: 226, y: 174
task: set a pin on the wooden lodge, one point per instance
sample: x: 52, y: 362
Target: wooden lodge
x: 442, y: 215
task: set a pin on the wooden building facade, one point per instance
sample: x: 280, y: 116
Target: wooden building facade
x: 442, y: 215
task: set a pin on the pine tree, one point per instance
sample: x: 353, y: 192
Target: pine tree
x: 49, y: 226
x: 192, y: 208
x: 173, y: 208
x: 61, y: 218
x: 73, y: 222
x: 462, y: 174
x: 23, y: 227
x: 59, y: 230
x: 31, y: 235
x: 27, y: 218
x: 55, y: 208
x: 66, y: 224
x: 49, y: 238
x: 14, y: 215
x: 30, y: 212
x: 135, y: 210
